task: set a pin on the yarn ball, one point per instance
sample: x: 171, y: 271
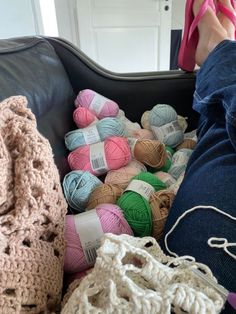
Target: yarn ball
x: 123, y: 176
x: 168, y: 162
x: 105, y: 193
x: 175, y: 187
x: 165, y: 177
x: 136, y: 208
x: 170, y: 151
x: 164, y: 124
x: 129, y: 127
x: 149, y: 152
x: 99, y: 105
x: 187, y: 143
x: 179, y: 162
x: 77, y: 187
x: 160, y: 203
x: 146, y: 124
x: 83, y: 117
x: 145, y: 120
x: 116, y: 150
x: 103, y: 129
x: 182, y: 123
x: 143, y: 134
x: 112, y: 221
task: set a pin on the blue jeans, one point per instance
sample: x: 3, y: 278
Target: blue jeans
x: 211, y: 173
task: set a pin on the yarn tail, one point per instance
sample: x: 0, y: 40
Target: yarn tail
x: 232, y: 299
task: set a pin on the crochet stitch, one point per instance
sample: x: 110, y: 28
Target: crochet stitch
x: 32, y: 214
x: 133, y: 275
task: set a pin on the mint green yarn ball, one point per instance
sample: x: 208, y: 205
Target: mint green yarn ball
x: 136, y: 208
x: 77, y: 187
x: 164, y: 116
x: 106, y: 127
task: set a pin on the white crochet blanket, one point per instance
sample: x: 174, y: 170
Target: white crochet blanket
x: 133, y: 275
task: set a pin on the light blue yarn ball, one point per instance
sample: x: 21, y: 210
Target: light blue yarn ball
x: 77, y: 186
x: 106, y: 127
x: 161, y: 115
x: 177, y: 166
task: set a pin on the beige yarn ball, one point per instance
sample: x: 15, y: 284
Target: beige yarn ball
x: 182, y: 122
x: 105, y: 193
x: 187, y: 143
x: 145, y: 120
x: 160, y: 203
x: 150, y: 152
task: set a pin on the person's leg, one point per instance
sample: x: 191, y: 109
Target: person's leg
x: 211, y: 173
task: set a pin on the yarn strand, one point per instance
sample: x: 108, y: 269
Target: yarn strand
x: 222, y: 243
x: 225, y: 241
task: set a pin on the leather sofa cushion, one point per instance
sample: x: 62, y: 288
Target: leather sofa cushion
x: 30, y: 67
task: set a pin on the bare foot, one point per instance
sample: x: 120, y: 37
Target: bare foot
x: 225, y: 21
x: 211, y: 32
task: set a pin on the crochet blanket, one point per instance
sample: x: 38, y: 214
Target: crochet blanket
x: 133, y: 275
x: 32, y: 213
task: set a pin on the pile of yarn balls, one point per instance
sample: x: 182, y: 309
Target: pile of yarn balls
x: 114, y: 162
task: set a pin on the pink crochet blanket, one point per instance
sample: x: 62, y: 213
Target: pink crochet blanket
x: 32, y: 213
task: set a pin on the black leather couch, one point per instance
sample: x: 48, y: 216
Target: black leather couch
x: 51, y: 71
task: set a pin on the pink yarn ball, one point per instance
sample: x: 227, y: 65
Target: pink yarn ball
x: 112, y: 221
x: 117, y: 154
x: 123, y: 176
x: 99, y: 105
x: 83, y: 117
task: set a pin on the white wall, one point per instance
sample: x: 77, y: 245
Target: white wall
x: 66, y: 13
x: 16, y: 18
x: 178, y: 14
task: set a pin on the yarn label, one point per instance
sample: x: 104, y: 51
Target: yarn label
x: 169, y: 155
x: 89, y: 229
x: 168, y: 180
x: 180, y: 158
x: 191, y: 135
x: 97, y: 103
x: 175, y: 187
x: 167, y: 129
x: 132, y: 142
x: 98, y: 158
x: 91, y: 135
x: 142, y: 188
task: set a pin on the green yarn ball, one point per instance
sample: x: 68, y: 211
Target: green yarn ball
x: 166, y: 166
x: 168, y: 163
x: 170, y: 151
x: 136, y: 208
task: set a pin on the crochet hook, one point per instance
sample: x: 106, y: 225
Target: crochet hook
x: 229, y: 296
